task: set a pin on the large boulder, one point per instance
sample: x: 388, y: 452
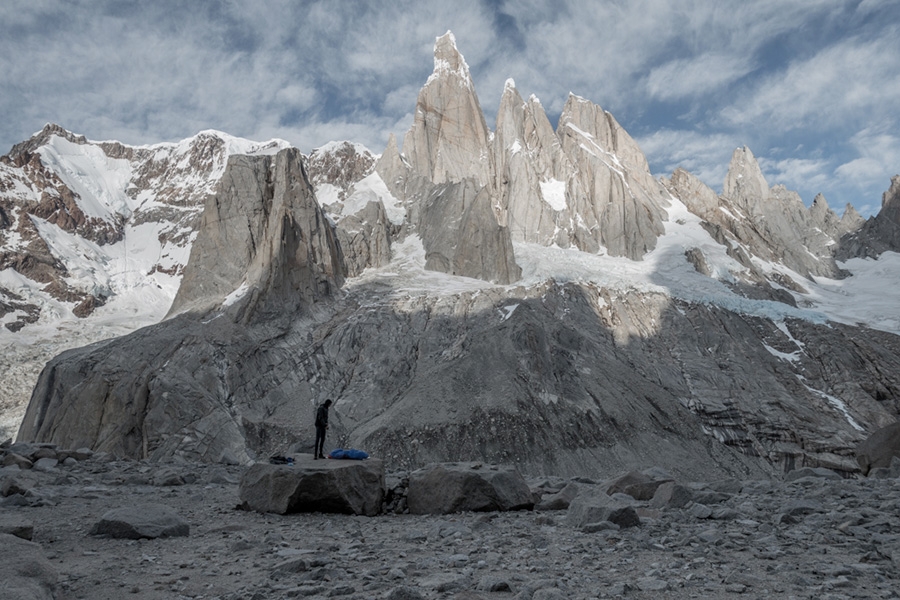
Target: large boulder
x: 589, y: 508
x: 455, y: 487
x: 876, y: 451
x: 333, y: 486
x: 141, y: 521
x: 25, y: 571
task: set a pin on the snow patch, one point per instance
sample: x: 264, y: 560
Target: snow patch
x: 553, y: 191
x: 507, y: 311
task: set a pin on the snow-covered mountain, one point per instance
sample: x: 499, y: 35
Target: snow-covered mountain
x: 94, y: 237
x: 523, y: 294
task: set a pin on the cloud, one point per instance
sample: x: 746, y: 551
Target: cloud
x: 706, y: 155
x: 852, y: 80
x: 878, y: 157
x: 798, y: 173
x: 696, y: 76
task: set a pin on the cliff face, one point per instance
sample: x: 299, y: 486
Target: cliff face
x: 264, y: 243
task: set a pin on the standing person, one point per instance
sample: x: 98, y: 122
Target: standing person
x: 321, y: 426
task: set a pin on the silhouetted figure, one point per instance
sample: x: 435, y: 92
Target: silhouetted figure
x: 321, y: 426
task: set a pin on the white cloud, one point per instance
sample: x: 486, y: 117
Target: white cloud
x: 852, y: 80
x: 798, y: 173
x: 696, y: 76
x: 878, y: 157
x: 704, y: 155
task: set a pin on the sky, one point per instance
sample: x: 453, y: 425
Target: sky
x: 811, y: 86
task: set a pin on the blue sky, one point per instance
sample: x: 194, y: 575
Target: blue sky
x: 811, y: 87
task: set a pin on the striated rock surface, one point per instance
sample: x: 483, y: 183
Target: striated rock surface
x: 461, y: 237
x: 449, y: 140
x: 264, y: 242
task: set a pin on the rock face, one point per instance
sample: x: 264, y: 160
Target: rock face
x: 335, y: 486
x: 264, y: 239
x: 449, y: 140
x: 292, y: 264
x: 457, y: 487
x: 769, y: 223
x: 456, y: 218
x: 880, y: 233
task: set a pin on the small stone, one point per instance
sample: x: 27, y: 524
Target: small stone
x: 651, y: 584
x: 600, y: 526
x: 13, y: 524
x: 700, y: 511
x: 45, y: 464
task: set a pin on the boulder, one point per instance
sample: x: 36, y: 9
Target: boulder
x: 332, y: 486
x: 13, y: 459
x: 17, y: 484
x: 13, y: 524
x: 639, y: 486
x: 141, y: 521
x: 445, y: 488
x: 560, y: 500
x: 890, y: 472
x: 671, y: 495
x: 879, y: 449
x: 25, y: 571
x: 586, y: 509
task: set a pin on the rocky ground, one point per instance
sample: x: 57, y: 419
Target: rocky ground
x: 814, y: 537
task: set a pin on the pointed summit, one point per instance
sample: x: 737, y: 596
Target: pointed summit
x: 449, y: 137
x: 448, y: 61
x: 745, y: 182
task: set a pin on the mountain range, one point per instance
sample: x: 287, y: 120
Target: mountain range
x: 523, y: 294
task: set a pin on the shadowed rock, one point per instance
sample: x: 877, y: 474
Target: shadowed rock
x: 141, y: 521
x: 333, y: 486
x: 456, y: 487
x: 877, y: 451
x: 25, y: 572
x: 588, y: 508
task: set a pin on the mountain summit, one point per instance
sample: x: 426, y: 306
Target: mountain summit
x: 529, y: 295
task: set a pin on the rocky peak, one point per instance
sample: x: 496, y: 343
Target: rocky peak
x: 606, y: 134
x: 699, y: 198
x: 890, y: 201
x: 449, y: 62
x: 745, y: 183
x: 449, y: 139
x: 393, y: 169
x: 880, y: 233
x: 21, y: 152
x: 264, y: 244
x: 340, y: 164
